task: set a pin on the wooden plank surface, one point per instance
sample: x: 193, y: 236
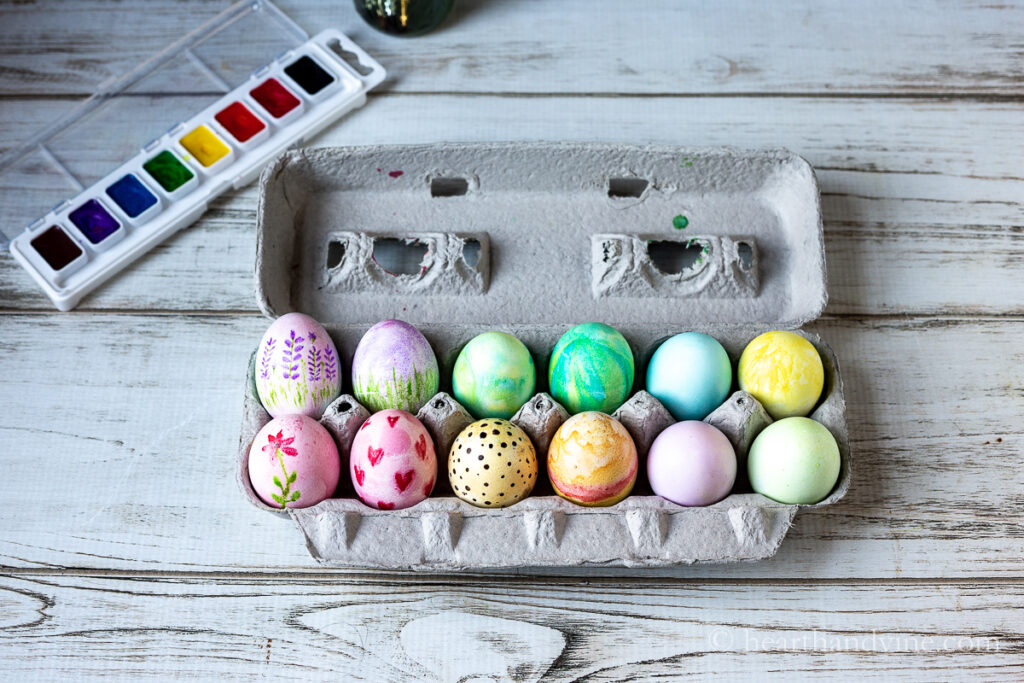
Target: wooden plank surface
x: 911, y: 194
x: 127, y: 552
x: 602, y: 46
x: 138, y: 451
x: 303, y: 628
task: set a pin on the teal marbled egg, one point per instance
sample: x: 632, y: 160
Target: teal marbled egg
x: 591, y: 368
x: 494, y: 375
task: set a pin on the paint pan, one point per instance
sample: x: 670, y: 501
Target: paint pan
x: 312, y: 78
x: 277, y: 101
x: 163, y: 160
x: 206, y: 148
x: 244, y: 127
x: 59, y: 252
x: 135, y: 200
x: 171, y: 173
x: 96, y: 224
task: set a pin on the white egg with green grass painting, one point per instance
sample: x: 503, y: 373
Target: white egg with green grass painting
x: 297, y: 368
x: 394, y: 367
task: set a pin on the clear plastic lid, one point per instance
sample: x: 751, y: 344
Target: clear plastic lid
x: 126, y: 113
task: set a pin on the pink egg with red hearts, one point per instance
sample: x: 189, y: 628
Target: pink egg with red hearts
x: 294, y: 462
x: 392, y: 462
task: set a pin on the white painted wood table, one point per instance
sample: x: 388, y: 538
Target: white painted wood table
x: 126, y: 550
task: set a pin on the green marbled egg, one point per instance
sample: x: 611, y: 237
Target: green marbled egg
x: 591, y: 369
x: 494, y: 375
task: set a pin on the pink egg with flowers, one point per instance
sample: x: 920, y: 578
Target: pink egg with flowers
x: 294, y: 462
x: 392, y: 463
x: 296, y: 367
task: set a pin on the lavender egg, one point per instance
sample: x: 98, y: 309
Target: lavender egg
x: 692, y: 463
x: 394, y: 368
x: 297, y: 369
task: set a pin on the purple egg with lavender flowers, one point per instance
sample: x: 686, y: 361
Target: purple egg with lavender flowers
x: 394, y: 368
x: 297, y: 368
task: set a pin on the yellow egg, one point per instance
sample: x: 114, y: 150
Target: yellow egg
x: 783, y: 371
x: 492, y: 464
x: 592, y: 460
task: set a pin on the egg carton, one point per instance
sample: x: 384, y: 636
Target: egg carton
x: 532, y: 239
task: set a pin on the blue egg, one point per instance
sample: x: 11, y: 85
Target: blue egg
x: 690, y: 374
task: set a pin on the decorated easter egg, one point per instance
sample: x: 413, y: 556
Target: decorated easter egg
x: 394, y: 367
x: 492, y: 464
x: 691, y: 463
x: 392, y: 462
x: 297, y: 370
x: 690, y: 374
x: 591, y: 368
x: 293, y: 462
x: 795, y: 460
x: 592, y: 460
x: 494, y: 375
x: 783, y: 371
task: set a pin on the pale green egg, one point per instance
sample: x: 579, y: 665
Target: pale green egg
x: 795, y: 460
x: 494, y: 375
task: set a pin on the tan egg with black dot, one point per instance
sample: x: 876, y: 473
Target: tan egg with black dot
x: 492, y: 464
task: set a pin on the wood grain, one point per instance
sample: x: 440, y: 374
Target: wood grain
x: 128, y: 553
x: 911, y: 196
x: 604, y: 46
x: 310, y: 628
x: 129, y: 465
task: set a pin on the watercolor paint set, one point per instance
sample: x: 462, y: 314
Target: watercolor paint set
x: 242, y: 88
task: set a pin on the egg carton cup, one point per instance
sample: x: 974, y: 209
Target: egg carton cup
x: 532, y: 239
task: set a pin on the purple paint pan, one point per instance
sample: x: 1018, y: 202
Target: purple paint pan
x: 96, y: 223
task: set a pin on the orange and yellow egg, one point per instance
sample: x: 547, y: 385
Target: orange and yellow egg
x: 592, y: 460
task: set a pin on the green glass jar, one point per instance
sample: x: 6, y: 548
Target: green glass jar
x: 404, y: 17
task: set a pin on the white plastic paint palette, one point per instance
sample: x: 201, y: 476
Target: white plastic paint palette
x: 245, y: 119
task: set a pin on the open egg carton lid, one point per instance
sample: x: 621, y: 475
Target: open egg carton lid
x: 533, y: 238
x: 549, y: 234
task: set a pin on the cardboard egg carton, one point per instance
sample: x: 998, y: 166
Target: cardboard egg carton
x: 532, y: 239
